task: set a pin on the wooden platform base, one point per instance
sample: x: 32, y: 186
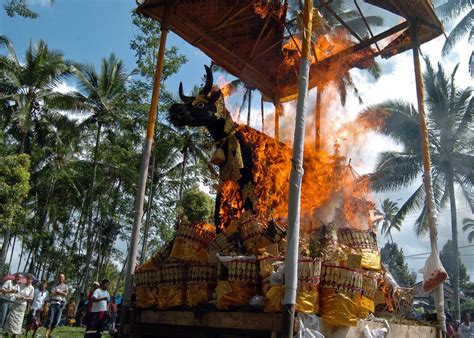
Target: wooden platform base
x: 223, y: 324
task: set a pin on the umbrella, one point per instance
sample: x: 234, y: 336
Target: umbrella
x: 22, y: 280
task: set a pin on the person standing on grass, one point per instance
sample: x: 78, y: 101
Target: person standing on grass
x: 14, y: 321
x: 112, y: 309
x: 98, y: 314
x: 58, y: 300
x: 33, y: 320
x: 7, y: 292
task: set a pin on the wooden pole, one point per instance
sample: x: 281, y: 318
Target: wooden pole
x: 278, y: 108
x: 132, y: 256
x: 294, y: 194
x: 425, y: 153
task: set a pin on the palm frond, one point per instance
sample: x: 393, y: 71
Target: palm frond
x: 396, y: 170
x: 459, y: 31
x: 394, y: 118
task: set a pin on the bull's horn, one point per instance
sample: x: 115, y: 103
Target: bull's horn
x: 183, y: 97
x: 209, y: 81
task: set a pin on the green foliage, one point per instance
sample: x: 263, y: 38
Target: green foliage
x: 468, y: 306
x: 14, y: 187
x: 393, y: 258
x: 468, y: 228
x: 389, y: 223
x: 196, y: 206
x: 146, y: 44
x: 19, y: 7
x: 447, y: 258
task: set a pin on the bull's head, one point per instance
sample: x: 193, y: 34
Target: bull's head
x: 199, y: 111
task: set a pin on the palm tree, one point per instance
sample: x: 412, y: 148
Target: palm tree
x: 389, y: 210
x: 449, y: 11
x: 30, y: 87
x: 450, y: 129
x: 468, y: 225
x: 102, y: 94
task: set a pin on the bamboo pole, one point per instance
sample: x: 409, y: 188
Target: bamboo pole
x: 425, y: 153
x: 132, y: 255
x: 278, y: 108
x: 292, y: 247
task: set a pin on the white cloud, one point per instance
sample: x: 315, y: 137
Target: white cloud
x: 64, y: 88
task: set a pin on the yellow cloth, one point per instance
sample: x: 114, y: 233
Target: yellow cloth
x: 198, y: 293
x: 338, y: 308
x: 189, y: 251
x: 171, y: 296
x: 231, y: 293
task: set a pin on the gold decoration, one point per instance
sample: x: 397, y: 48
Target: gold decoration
x: 248, y: 193
x: 218, y: 157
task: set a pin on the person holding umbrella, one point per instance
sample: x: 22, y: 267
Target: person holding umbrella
x: 17, y: 311
x: 7, y: 292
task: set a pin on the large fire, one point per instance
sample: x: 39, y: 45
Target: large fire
x: 331, y: 190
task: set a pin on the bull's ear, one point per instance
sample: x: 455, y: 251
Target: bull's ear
x: 214, y: 96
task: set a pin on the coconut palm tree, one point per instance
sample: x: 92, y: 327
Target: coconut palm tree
x: 30, y: 87
x: 450, y: 129
x: 389, y: 210
x: 451, y: 10
x: 103, y: 95
x: 468, y: 225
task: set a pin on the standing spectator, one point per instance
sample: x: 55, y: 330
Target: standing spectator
x: 87, y: 313
x: 58, y: 299
x: 112, y: 309
x: 98, y: 317
x: 33, y: 320
x: 17, y: 311
x: 6, y: 297
x: 466, y: 330
x: 81, y: 309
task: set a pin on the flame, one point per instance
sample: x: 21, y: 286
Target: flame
x: 331, y: 189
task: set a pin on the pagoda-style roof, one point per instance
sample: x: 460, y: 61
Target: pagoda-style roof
x: 250, y: 39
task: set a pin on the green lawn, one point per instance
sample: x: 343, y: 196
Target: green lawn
x: 66, y: 332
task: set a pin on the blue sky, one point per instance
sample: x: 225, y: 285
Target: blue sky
x: 88, y: 30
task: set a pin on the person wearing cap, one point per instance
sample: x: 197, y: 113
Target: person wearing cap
x: 99, y: 316
x: 17, y: 312
x: 58, y: 299
x: 87, y: 313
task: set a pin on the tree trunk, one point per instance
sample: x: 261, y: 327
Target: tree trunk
x: 91, y: 245
x: 454, y: 234
x: 183, y: 172
x: 13, y: 249
x: 21, y: 254
x: 249, y: 107
x: 263, y: 114
x: 148, y: 211
x: 6, y: 243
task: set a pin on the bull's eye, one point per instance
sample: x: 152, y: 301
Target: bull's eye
x: 200, y: 105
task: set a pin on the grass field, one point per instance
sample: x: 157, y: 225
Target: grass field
x: 65, y: 332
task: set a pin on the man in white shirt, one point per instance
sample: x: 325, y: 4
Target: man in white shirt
x: 98, y: 315
x: 33, y: 320
x: 58, y: 299
x: 17, y: 311
x: 466, y: 330
x: 7, y: 291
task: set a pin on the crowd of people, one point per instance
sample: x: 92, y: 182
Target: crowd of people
x: 18, y: 298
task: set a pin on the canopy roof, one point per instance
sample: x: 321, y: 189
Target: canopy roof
x: 250, y: 39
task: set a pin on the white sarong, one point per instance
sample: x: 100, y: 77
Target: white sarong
x: 15, y: 318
